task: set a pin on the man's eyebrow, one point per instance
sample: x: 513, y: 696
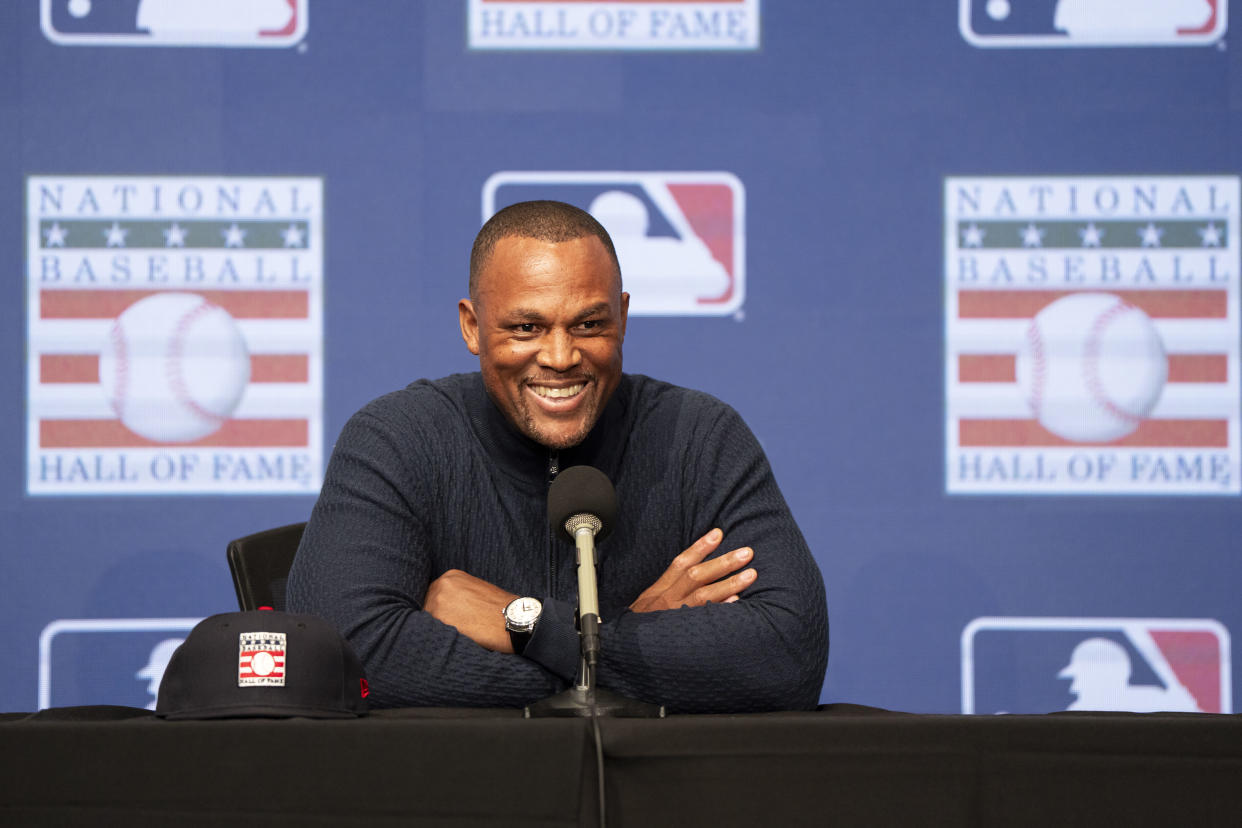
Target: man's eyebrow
x: 523, y: 315
x: 516, y: 315
x: 602, y: 308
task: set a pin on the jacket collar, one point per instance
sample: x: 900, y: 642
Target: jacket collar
x: 530, y: 463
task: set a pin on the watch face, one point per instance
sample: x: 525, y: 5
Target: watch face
x: 523, y: 611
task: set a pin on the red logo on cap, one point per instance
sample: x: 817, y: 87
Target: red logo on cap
x: 362, y: 685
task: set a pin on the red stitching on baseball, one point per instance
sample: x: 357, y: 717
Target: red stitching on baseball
x: 172, y: 363
x: 1039, y: 367
x: 121, y: 374
x: 1091, y: 367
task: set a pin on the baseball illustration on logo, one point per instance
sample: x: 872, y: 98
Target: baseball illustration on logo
x: 175, y: 331
x: 1092, y: 335
x: 261, y: 659
x: 174, y: 367
x: 1091, y: 367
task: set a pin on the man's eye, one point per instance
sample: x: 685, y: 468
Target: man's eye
x: 591, y: 324
x: 525, y: 327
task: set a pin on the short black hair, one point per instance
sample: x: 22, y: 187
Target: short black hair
x: 551, y: 221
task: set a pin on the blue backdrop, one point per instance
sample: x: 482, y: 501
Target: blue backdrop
x: 822, y: 161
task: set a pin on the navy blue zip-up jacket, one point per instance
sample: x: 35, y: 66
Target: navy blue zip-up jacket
x: 433, y: 477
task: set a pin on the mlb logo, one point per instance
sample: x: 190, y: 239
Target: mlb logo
x: 84, y: 661
x: 244, y: 23
x: 1142, y: 665
x: 679, y: 236
x: 1056, y: 23
x: 261, y: 659
x: 175, y: 335
x: 1092, y: 335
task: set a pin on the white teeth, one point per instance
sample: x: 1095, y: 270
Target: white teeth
x: 544, y: 391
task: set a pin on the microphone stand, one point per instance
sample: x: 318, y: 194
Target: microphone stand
x: 584, y: 699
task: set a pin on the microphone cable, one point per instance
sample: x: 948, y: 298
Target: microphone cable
x: 599, y: 748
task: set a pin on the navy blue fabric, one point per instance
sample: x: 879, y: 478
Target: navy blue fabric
x: 432, y: 478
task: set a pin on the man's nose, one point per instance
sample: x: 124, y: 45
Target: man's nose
x: 559, y: 352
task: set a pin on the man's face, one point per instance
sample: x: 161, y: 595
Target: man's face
x: 547, y: 326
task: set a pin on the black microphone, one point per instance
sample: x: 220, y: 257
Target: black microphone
x: 583, y: 502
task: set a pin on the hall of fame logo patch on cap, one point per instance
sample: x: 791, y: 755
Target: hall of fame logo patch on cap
x: 1092, y: 335
x: 1141, y: 665
x: 618, y: 24
x: 1061, y: 23
x: 261, y: 659
x: 244, y: 23
x: 175, y: 335
x: 679, y: 236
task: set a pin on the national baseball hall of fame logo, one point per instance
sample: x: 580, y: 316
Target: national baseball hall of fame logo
x: 680, y: 236
x: 1092, y: 335
x: 1141, y: 665
x: 175, y: 331
x: 616, y: 24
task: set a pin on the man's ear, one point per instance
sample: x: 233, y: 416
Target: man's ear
x: 469, y: 322
x: 625, y: 312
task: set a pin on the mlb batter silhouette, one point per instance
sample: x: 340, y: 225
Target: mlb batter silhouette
x: 156, y: 664
x: 1115, y: 19
x: 659, y: 271
x: 1100, y: 669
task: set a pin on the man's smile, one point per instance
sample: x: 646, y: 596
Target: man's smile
x: 558, y: 398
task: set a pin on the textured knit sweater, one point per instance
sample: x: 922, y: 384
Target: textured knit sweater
x: 433, y: 477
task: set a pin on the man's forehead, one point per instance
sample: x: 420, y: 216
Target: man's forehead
x: 523, y: 263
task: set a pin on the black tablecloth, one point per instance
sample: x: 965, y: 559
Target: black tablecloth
x: 842, y: 765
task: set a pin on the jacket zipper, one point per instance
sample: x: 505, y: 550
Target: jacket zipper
x: 553, y: 470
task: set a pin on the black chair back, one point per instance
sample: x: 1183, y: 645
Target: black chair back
x: 260, y: 565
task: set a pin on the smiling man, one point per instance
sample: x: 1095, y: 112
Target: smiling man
x: 429, y: 548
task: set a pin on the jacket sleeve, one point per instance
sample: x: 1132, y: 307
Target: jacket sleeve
x: 767, y: 651
x: 364, y: 564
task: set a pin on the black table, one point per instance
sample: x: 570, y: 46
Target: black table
x: 842, y: 765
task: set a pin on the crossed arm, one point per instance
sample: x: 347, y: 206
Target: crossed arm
x: 474, y: 607
x: 436, y: 637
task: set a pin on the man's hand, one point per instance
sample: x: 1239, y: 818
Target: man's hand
x: 473, y: 606
x: 689, y: 583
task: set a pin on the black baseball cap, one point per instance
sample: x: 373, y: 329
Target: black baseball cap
x: 262, y: 663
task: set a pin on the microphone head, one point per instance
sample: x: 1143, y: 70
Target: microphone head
x: 582, y: 490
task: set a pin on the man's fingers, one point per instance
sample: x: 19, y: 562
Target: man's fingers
x: 717, y: 568
x: 723, y: 592
x: 696, y: 552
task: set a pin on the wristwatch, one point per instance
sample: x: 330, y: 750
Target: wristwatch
x: 521, y: 616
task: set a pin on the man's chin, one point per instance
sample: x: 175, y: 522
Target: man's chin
x: 557, y: 436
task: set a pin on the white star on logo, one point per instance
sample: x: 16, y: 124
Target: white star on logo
x: 1091, y: 235
x: 115, y: 235
x: 1210, y: 235
x: 175, y: 236
x: 293, y: 236
x: 56, y: 235
x: 234, y: 236
x: 1032, y: 236
x: 1150, y: 235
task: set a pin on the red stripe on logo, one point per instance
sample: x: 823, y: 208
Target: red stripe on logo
x: 986, y: 368
x: 1150, y: 434
x: 1195, y: 656
x: 1182, y: 368
x: 82, y: 434
x: 58, y: 368
x: 709, y: 209
x: 1158, y: 304
x: 109, y: 304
